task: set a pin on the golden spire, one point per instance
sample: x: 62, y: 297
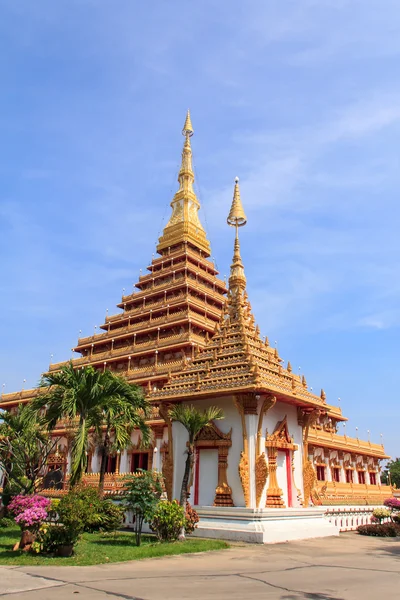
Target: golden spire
x: 184, y: 224
x: 237, y: 218
x: 188, y: 127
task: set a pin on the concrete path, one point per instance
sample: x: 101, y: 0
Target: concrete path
x: 350, y: 567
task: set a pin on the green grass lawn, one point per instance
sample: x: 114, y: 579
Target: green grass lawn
x: 97, y: 548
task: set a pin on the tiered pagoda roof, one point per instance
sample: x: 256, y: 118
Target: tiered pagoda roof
x: 236, y: 359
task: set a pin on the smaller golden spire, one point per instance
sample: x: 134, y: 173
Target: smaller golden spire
x: 188, y: 127
x: 237, y: 218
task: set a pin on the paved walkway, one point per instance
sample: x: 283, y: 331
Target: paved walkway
x: 349, y: 567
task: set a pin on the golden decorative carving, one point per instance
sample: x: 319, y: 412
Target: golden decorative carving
x: 244, y: 467
x: 309, y: 481
x: 244, y: 474
x: 261, y: 469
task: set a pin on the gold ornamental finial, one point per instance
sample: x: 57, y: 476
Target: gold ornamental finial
x: 237, y: 218
x: 236, y: 214
x: 188, y: 127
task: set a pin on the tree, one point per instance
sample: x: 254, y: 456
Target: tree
x: 193, y: 420
x: 143, y: 491
x: 120, y: 417
x: 91, y: 399
x: 25, y: 446
x: 391, y: 473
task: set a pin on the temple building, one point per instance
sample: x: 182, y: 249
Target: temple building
x: 186, y: 337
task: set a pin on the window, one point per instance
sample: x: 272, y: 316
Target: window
x: 336, y: 474
x: 320, y: 473
x: 349, y: 476
x: 140, y: 460
x: 361, y: 477
x: 88, y: 468
x: 111, y: 464
x: 372, y: 478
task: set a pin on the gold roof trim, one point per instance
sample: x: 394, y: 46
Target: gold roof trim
x: 335, y: 441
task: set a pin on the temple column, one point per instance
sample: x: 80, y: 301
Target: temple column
x: 247, y: 407
x: 261, y: 467
x: 158, y: 434
x: 123, y: 466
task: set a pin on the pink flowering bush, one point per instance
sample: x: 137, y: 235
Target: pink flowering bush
x: 393, y: 503
x: 29, y: 511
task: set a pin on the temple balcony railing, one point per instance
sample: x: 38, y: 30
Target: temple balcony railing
x: 152, y: 323
x: 131, y: 349
x: 340, y: 493
x: 183, y: 266
x: 159, y: 260
x: 177, y: 281
x: 344, y: 442
x: 149, y: 305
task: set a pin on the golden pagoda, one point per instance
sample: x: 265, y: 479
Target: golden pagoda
x: 184, y: 337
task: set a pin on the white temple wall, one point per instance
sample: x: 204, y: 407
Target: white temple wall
x: 230, y: 421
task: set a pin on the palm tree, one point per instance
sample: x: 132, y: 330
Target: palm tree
x: 92, y: 400
x: 25, y: 446
x: 193, y: 420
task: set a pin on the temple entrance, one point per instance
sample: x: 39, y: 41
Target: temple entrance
x: 280, y: 447
x: 206, y: 476
x: 284, y: 474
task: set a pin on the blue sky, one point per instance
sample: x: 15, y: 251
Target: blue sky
x: 300, y: 99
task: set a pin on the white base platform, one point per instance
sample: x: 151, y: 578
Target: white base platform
x: 263, y: 526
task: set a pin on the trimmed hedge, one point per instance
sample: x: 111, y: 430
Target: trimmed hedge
x: 380, y: 529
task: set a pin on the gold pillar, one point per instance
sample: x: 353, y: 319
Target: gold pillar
x: 246, y: 405
x: 274, y: 492
x: 223, y: 493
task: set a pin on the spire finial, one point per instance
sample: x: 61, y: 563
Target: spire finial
x: 236, y: 214
x: 237, y: 218
x: 188, y: 127
x: 184, y: 225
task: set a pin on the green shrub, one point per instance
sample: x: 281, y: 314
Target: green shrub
x: 168, y: 520
x: 381, y: 513
x: 143, y: 492
x: 379, y: 530
x: 7, y: 522
x: 84, y: 505
x: 192, y: 518
x: 55, y: 536
x: 111, y: 515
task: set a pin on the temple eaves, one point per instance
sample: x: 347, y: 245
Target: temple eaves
x: 184, y: 225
